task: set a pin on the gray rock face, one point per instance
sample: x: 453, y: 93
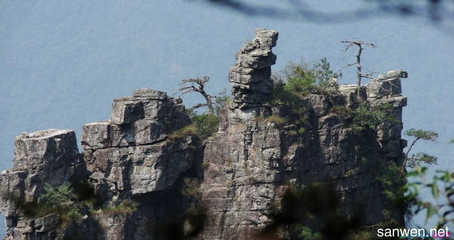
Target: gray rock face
x: 145, y: 118
x: 131, y: 153
x: 253, y: 160
x: 49, y: 156
x: 131, y: 156
x: 127, y: 157
x: 240, y: 174
x: 251, y: 75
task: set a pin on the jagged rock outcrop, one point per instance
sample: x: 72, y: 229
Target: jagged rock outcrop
x: 251, y: 75
x: 253, y: 159
x: 239, y: 175
x: 128, y: 157
x: 132, y: 156
x: 131, y: 153
x: 43, y: 157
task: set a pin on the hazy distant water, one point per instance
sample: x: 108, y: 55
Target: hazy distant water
x: 2, y: 226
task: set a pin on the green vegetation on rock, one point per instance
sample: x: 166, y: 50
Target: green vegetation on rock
x: 302, y: 79
x: 125, y: 207
x: 366, y: 116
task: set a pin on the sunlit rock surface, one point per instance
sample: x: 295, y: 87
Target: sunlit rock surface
x: 238, y: 176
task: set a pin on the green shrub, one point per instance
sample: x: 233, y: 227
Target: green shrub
x: 394, y: 185
x: 59, y: 200
x: 325, y: 76
x: 441, y: 187
x: 206, y: 125
x: 301, y: 79
x: 189, y: 130
x: 55, y: 196
x: 371, y: 117
x: 298, y: 81
x: 125, y: 207
x: 422, y: 134
x: 203, y: 126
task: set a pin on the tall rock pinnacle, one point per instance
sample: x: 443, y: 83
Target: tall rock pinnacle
x: 251, y: 75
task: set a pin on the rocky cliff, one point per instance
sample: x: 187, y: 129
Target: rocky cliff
x: 139, y: 176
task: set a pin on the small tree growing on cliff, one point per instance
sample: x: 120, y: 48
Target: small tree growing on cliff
x: 203, y: 124
x: 361, y: 45
x: 418, y: 159
x: 197, y: 85
x: 302, y: 79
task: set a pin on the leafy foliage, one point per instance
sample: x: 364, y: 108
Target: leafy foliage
x: 294, y: 83
x: 441, y: 186
x: 206, y: 124
x: 394, y: 186
x: 422, y: 134
x: 325, y: 75
x: 203, y: 126
x: 125, y: 207
x: 61, y: 195
x: 70, y: 203
x: 59, y: 200
x: 301, y: 79
x: 419, y: 159
x: 367, y: 116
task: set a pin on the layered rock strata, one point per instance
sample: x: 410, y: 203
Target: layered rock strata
x: 251, y: 75
x: 43, y: 157
x: 238, y: 176
x: 253, y: 159
x: 128, y: 157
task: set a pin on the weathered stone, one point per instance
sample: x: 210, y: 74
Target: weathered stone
x: 147, y: 132
x: 350, y: 92
x: 251, y: 161
x: 46, y: 223
x: 126, y: 110
x: 144, y: 118
x: 101, y: 135
x: 247, y: 165
x: 96, y: 135
x: 42, y: 157
x: 251, y: 75
x: 55, y: 146
x: 140, y: 169
x: 388, y: 85
x: 150, y: 94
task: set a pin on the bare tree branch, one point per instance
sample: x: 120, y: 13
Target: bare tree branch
x: 197, y: 85
x: 360, y: 45
x: 199, y: 106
